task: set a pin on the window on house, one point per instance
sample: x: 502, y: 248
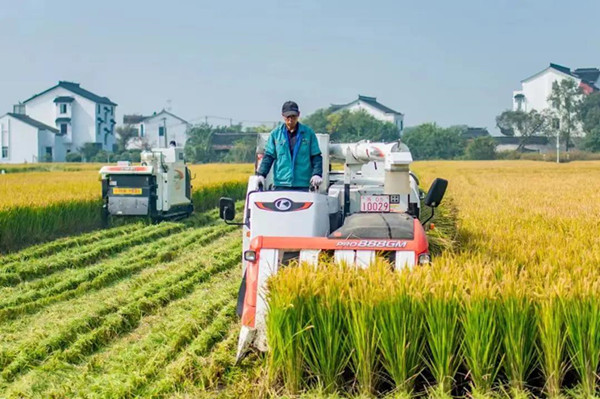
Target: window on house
x: 161, y: 131
x: 48, y: 156
x: 63, y: 128
x: 142, y: 131
x: 63, y: 108
x: 4, y: 152
x: 99, y: 110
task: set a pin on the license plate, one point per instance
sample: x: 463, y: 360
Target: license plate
x: 126, y: 191
x: 375, y: 203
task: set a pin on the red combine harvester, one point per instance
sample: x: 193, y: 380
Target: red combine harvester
x: 372, y: 207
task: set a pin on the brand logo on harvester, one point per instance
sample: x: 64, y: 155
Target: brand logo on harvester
x: 283, y: 204
x: 371, y: 244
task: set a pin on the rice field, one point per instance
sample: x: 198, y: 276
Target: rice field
x: 34, y: 189
x: 509, y: 308
x: 37, y: 206
x: 513, y: 310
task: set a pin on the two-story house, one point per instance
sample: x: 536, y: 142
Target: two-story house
x: 76, y: 116
x: 157, y: 130
x: 536, y: 89
x: 373, y: 108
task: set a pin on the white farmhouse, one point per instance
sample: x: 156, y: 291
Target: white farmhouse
x: 80, y: 115
x: 157, y: 130
x: 75, y: 116
x: 27, y: 140
x: 536, y: 88
x: 374, y: 108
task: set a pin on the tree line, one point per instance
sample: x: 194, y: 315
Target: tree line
x: 571, y: 114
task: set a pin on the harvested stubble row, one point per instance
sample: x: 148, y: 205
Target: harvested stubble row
x: 197, y: 265
x: 57, y: 288
x: 514, y: 308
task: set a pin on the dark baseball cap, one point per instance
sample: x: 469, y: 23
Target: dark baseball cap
x: 290, y: 108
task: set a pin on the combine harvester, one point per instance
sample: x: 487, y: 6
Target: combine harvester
x: 370, y: 208
x: 160, y: 188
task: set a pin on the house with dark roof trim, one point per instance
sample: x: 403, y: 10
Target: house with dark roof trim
x: 157, y: 130
x: 76, y: 115
x: 374, y: 108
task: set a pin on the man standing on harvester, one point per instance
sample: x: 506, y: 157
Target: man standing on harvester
x: 294, y: 149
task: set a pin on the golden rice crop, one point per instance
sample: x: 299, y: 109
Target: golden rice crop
x: 512, y: 307
x: 45, y: 188
x: 37, y: 206
x: 48, y: 167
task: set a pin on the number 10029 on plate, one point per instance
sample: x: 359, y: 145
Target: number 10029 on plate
x: 375, y: 203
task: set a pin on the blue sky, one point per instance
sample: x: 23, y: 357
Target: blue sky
x: 452, y: 62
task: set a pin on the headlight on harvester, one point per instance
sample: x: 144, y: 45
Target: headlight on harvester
x: 424, y: 259
x: 250, y: 256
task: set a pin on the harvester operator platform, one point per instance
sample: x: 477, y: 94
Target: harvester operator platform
x: 293, y: 151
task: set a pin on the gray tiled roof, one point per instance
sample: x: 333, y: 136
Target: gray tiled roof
x: 372, y: 101
x: 32, y: 122
x: 77, y: 89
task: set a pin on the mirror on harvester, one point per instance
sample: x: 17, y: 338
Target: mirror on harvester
x: 436, y: 192
x: 226, y: 208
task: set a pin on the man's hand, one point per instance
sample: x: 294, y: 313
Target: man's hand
x: 316, y: 181
x: 261, y: 182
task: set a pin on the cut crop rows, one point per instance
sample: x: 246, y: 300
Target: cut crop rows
x: 123, y: 314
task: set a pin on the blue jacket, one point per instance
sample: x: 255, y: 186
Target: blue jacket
x: 292, y: 169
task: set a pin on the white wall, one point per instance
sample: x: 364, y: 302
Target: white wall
x: 537, y: 89
x: 21, y: 139
x: 84, y: 114
x: 176, y: 130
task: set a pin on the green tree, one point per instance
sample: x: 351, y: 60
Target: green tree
x: 89, y: 151
x: 430, y: 141
x: 259, y: 129
x: 346, y: 126
x: 73, y: 157
x: 523, y: 125
x: 565, y: 98
x: 589, y: 115
x: 124, y: 134
x: 318, y: 120
x: 198, y: 147
x: 243, y: 150
x: 481, y: 148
